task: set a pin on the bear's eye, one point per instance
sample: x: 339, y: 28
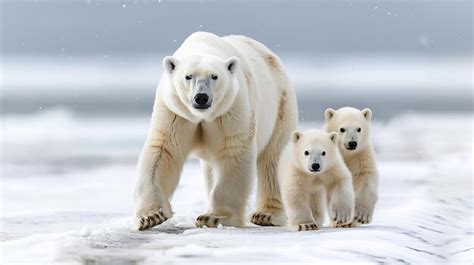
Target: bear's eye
x: 214, y: 77
x: 306, y: 153
x: 359, y: 129
x: 342, y: 130
x: 323, y: 153
x: 189, y: 77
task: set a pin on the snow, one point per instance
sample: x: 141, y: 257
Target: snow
x: 345, y: 73
x: 66, y: 198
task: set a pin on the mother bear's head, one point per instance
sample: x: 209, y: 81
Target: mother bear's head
x: 200, y: 87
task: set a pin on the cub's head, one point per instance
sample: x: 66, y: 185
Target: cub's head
x: 352, y: 125
x: 205, y: 85
x: 314, y: 151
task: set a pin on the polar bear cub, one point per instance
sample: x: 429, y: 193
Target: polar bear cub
x: 353, y: 126
x: 310, y: 167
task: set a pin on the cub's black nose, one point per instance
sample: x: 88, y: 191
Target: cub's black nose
x: 315, y: 166
x: 352, y: 145
x: 201, y: 100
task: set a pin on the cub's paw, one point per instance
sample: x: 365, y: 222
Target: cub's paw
x: 207, y: 220
x: 267, y: 219
x: 341, y: 216
x: 306, y: 227
x: 150, y: 220
x: 363, y: 216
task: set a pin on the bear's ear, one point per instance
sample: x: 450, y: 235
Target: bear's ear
x: 333, y: 136
x: 367, y: 114
x: 232, y: 64
x: 295, y: 136
x: 169, y: 64
x: 329, y: 113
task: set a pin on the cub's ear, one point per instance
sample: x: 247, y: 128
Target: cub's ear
x: 333, y: 136
x: 169, y: 64
x: 232, y: 64
x: 329, y: 113
x: 295, y: 136
x: 367, y: 114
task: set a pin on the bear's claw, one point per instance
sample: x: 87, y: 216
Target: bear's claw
x: 341, y: 217
x: 363, y: 217
x: 149, y: 221
x: 348, y: 225
x: 308, y: 227
x: 262, y: 219
x: 207, y: 220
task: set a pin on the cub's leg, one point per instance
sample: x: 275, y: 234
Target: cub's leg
x: 341, y: 202
x: 366, y: 198
x: 230, y: 190
x: 159, y: 167
x: 298, y: 210
x: 318, y: 206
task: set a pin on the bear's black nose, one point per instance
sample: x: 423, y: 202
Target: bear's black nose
x: 352, y: 145
x: 201, y: 100
x: 315, y: 166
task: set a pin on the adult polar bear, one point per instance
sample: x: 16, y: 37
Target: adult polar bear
x: 227, y: 100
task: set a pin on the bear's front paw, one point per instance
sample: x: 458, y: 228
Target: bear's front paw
x: 307, y: 227
x: 207, y: 220
x: 363, y: 216
x: 341, y: 216
x: 150, y: 220
x: 267, y: 219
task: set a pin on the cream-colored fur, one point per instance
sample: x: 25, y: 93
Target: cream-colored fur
x: 241, y: 134
x: 304, y: 187
x: 354, y: 125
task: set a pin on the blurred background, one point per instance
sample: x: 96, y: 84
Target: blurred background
x: 103, y: 57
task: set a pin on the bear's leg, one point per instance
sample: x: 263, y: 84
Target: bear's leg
x: 229, y: 194
x: 269, y: 209
x: 340, y: 199
x: 366, y: 198
x: 159, y: 168
x: 317, y: 203
x: 208, y: 178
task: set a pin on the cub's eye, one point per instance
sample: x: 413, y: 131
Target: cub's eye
x: 342, y: 130
x: 306, y: 153
x: 323, y: 153
x: 214, y: 77
x: 359, y: 129
x: 189, y: 77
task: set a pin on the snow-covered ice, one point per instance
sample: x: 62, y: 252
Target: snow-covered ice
x: 66, y: 198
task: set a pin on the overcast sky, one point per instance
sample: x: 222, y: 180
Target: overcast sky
x: 424, y: 27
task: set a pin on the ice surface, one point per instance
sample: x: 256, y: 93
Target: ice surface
x: 66, y: 198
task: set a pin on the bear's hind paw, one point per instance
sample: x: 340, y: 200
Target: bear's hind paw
x: 348, y: 225
x: 266, y: 219
x: 206, y: 220
x: 307, y: 227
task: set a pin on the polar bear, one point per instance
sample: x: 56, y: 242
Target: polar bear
x: 228, y: 101
x: 310, y: 169
x: 353, y: 126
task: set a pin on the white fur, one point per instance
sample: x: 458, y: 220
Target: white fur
x: 252, y: 115
x: 303, y: 191
x: 361, y: 162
